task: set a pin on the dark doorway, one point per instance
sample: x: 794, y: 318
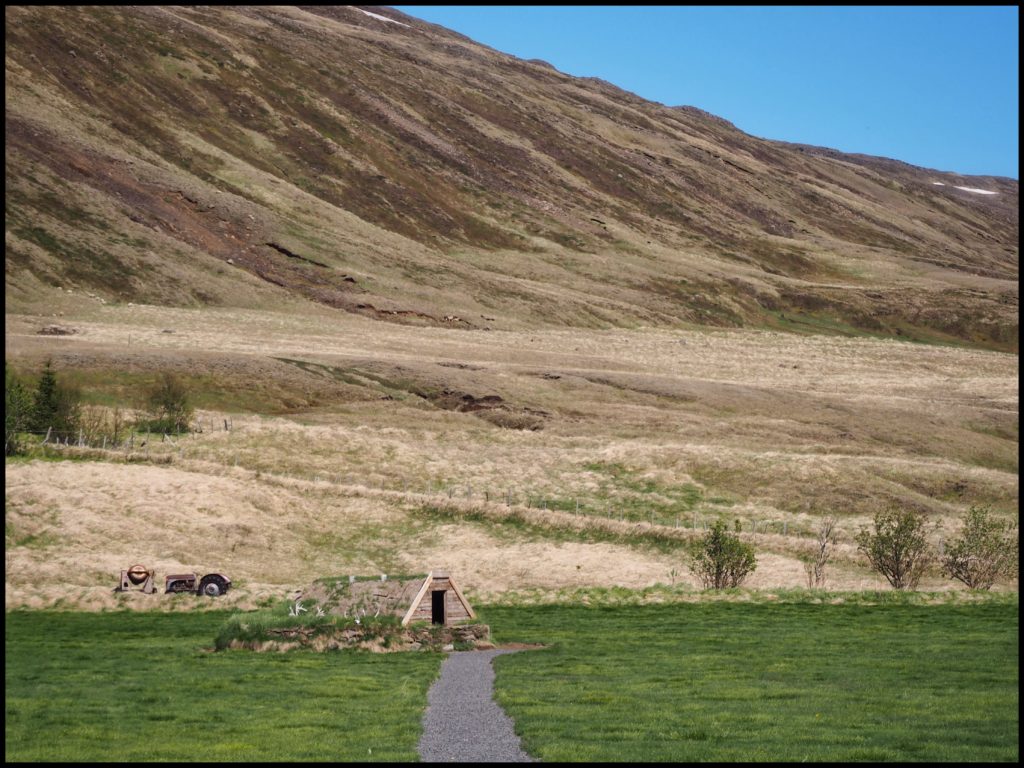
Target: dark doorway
x: 437, y: 606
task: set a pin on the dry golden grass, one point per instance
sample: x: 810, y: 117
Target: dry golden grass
x: 766, y: 428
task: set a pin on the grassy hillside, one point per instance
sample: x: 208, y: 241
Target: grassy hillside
x: 259, y: 157
x: 518, y: 460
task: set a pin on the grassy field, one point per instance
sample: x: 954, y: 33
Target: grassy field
x: 345, y: 454
x: 880, y: 677
x: 86, y: 687
x: 758, y: 682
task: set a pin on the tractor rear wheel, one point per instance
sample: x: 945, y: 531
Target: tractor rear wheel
x: 212, y: 586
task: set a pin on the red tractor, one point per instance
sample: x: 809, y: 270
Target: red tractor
x: 211, y: 585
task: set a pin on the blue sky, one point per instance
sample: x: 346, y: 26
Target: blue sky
x: 933, y: 86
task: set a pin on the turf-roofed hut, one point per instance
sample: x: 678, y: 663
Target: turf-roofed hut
x: 439, y: 601
x: 433, y: 598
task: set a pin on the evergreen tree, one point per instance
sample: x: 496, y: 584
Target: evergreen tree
x: 45, y: 407
x: 56, y: 407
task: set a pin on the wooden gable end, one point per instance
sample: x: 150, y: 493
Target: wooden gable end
x: 425, y: 606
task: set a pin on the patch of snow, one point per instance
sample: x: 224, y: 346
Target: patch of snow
x: 977, y: 191
x: 382, y: 18
x: 938, y: 183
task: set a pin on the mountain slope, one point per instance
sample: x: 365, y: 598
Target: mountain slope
x: 375, y: 163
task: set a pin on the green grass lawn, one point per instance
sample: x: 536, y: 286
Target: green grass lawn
x: 712, y: 681
x: 731, y: 681
x: 142, y: 686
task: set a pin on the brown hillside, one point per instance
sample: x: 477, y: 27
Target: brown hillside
x: 259, y: 156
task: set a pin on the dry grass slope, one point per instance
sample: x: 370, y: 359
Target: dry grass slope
x: 343, y: 441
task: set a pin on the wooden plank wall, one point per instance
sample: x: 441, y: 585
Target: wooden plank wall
x: 454, y: 610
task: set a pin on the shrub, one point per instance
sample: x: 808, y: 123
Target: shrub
x: 720, y: 560
x: 987, y: 549
x: 169, y: 404
x: 17, y: 412
x: 99, y: 423
x: 814, y: 564
x: 897, y: 547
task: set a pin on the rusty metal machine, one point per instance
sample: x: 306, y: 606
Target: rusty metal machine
x: 139, y: 576
x: 211, y: 585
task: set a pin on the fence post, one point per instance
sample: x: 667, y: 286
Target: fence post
x: 48, y: 429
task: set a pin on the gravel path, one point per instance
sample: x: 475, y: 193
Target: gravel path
x: 463, y: 723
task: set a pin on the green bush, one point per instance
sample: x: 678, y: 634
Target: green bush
x: 987, y: 549
x: 170, y: 406
x: 897, y: 547
x: 720, y: 560
x: 17, y: 412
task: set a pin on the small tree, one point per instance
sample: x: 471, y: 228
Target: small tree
x: 17, y: 412
x: 897, y: 547
x: 45, y: 406
x: 720, y: 560
x: 987, y: 549
x: 56, y: 406
x: 99, y: 423
x: 69, y: 411
x: 814, y: 564
x: 169, y: 403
